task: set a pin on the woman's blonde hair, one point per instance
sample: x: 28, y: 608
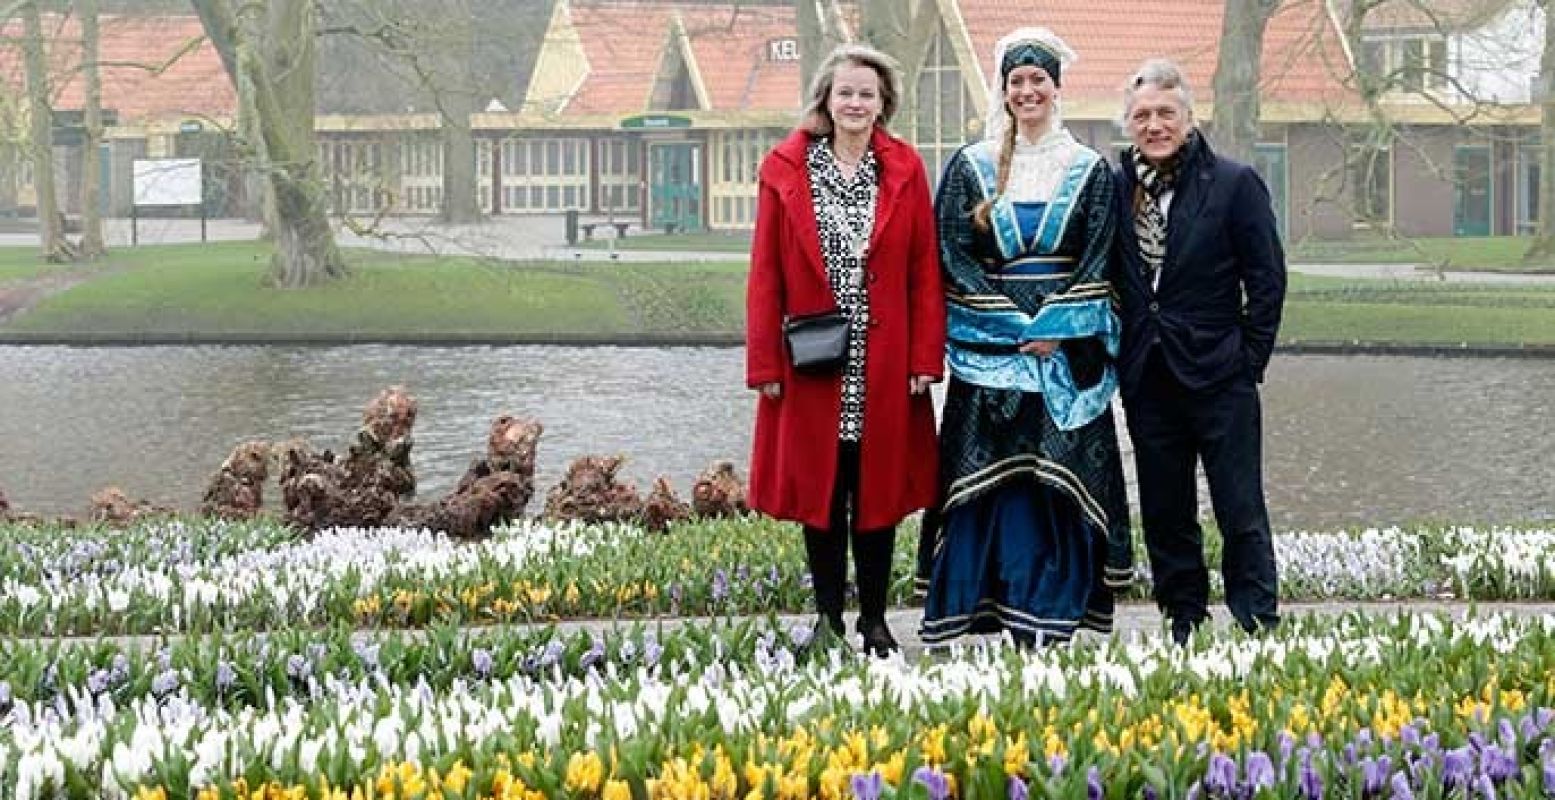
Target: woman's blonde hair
x: 817, y: 119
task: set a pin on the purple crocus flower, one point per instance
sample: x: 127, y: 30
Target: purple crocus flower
x: 1457, y: 767
x: 1149, y: 792
x: 720, y: 586
x: 628, y: 651
x: 1350, y: 756
x: 1260, y: 771
x: 367, y: 653
x: 1498, y: 764
x: 652, y: 650
x: 551, y: 655
x: 1508, y: 734
x: 164, y: 684
x: 1476, y: 740
x: 97, y: 682
x: 1549, y: 778
x: 1016, y: 790
x: 1363, y: 738
x: 934, y: 781
x: 1310, y: 783
x: 1543, y: 717
x: 297, y: 666
x: 1056, y: 763
x: 1528, y: 728
x: 1373, y: 777
x: 1287, y: 745
x: 1401, y: 788
x: 1432, y: 743
x: 594, y: 655
x: 226, y: 676
x: 1220, y: 775
x: 482, y: 661
x: 1093, y: 787
x: 1409, y: 736
x: 867, y: 786
x: 1485, y: 787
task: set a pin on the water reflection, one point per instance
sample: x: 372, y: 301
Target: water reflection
x: 1350, y: 440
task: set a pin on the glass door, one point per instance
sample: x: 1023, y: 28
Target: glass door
x: 675, y: 186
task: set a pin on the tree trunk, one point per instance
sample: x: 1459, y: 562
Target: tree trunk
x: 1542, y: 251
x: 274, y: 78
x: 1237, y: 74
x: 92, y: 120
x: 51, y: 235
x: 818, y: 36
x: 460, y: 205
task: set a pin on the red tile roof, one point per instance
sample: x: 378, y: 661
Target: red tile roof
x: 625, y: 41
x: 1303, y: 60
x: 154, y: 68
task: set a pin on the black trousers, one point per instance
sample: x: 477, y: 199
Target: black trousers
x: 827, y: 550
x: 1173, y: 429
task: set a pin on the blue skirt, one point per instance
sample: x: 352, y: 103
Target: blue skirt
x: 1017, y: 558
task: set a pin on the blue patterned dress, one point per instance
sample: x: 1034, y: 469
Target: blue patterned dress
x: 1032, y: 533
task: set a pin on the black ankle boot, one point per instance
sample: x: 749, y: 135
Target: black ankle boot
x: 878, y: 640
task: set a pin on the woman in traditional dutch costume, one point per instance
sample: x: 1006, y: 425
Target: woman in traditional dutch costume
x: 1031, y: 535
x: 844, y: 223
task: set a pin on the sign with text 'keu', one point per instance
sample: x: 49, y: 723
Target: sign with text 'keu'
x: 167, y: 182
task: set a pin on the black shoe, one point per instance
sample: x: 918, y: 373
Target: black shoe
x: 1182, y: 631
x: 828, y: 634
x: 878, y: 640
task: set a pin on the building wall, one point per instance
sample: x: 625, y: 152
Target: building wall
x: 1423, y: 183
x: 1317, y: 200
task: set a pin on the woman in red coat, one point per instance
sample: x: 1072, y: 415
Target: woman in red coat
x: 844, y: 223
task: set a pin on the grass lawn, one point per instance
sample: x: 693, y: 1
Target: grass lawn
x: 1487, y: 253
x: 216, y: 291
x: 1413, y: 312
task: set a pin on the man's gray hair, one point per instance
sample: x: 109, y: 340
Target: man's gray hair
x: 1162, y: 74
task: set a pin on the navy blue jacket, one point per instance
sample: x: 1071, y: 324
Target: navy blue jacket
x: 1217, y: 309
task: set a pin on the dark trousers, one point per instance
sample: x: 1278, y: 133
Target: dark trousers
x: 1173, y: 429
x: 827, y: 550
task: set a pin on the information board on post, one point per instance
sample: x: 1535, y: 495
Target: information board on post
x: 166, y: 182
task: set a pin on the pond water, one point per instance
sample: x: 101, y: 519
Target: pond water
x: 1349, y: 440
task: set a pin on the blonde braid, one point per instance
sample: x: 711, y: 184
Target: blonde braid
x: 980, y: 214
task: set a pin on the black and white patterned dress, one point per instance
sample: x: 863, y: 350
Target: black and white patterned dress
x: 845, y: 216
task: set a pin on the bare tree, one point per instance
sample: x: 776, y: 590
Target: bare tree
x: 820, y: 31
x: 51, y: 232
x: 92, y: 122
x: 270, y: 58
x: 1542, y: 250
x: 1237, y: 74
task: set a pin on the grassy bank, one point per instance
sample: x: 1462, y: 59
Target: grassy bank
x: 215, y: 292
x: 1471, y: 253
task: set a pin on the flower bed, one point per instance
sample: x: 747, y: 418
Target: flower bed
x: 203, y: 576
x: 1421, y: 706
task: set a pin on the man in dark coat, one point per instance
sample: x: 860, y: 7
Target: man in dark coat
x: 1201, y: 280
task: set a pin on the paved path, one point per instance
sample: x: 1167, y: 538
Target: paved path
x: 1132, y: 620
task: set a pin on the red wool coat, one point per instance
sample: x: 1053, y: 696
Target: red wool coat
x: 794, y: 458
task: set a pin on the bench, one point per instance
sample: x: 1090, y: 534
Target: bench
x: 588, y: 228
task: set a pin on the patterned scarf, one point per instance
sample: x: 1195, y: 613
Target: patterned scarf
x: 1149, y: 218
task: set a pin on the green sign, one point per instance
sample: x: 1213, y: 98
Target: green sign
x: 655, y: 122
